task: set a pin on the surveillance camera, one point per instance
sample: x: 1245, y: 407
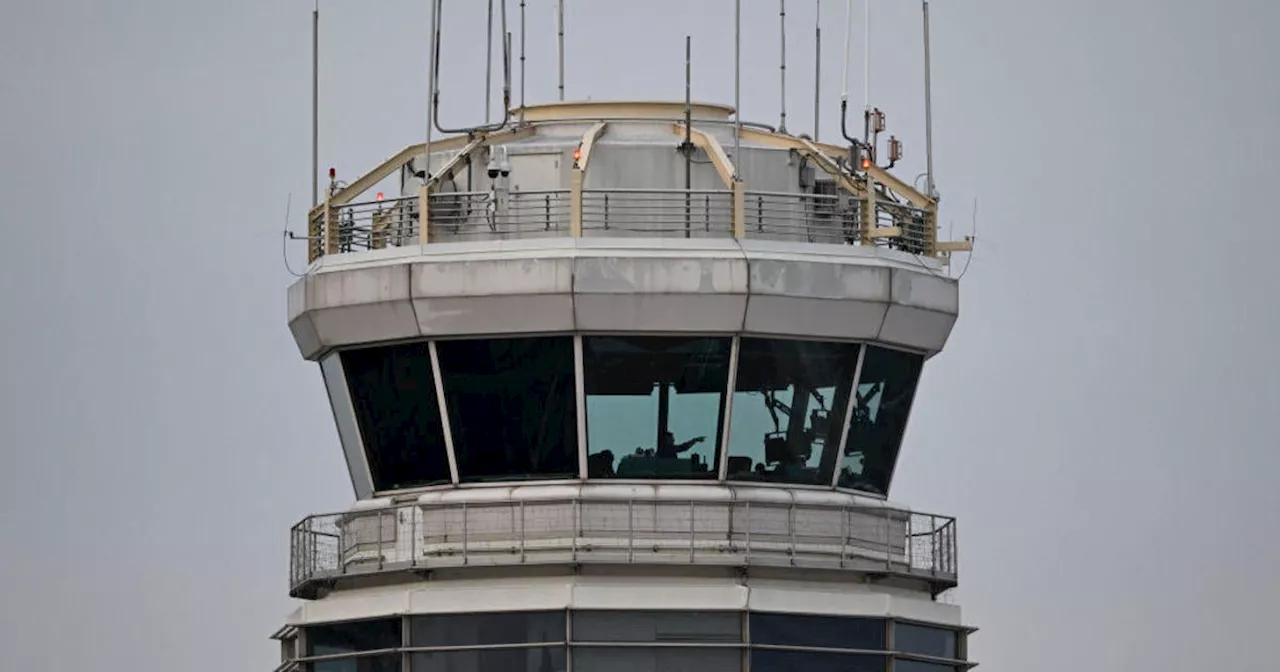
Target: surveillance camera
x: 493, y: 168
x: 505, y: 167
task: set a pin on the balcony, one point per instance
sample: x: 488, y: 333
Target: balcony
x: 698, y: 527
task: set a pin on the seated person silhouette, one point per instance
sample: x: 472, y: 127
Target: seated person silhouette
x: 668, y: 448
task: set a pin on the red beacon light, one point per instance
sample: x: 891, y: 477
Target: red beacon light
x: 333, y: 173
x: 379, y: 196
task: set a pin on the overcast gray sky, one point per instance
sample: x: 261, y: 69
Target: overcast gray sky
x: 1102, y: 420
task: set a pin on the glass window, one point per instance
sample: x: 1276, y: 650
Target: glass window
x: 765, y: 660
x: 924, y: 640
x: 656, y: 659
x: 788, y: 410
x: 657, y: 626
x: 512, y: 407
x: 525, y: 659
x: 886, y: 386
x: 386, y: 662
x: 828, y: 632
x: 334, y: 638
x: 394, y: 395
x: 900, y: 665
x: 514, y: 627
x: 655, y: 405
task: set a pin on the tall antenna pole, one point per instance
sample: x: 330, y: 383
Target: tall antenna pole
x: 560, y: 39
x: 737, y: 87
x: 488, y: 66
x: 315, y: 105
x: 866, y: 78
x: 817, y: 67
x: 687, y: 147
x: 782, y: 64
x: 848, y: 32
x: 522, y: 62
x: 928, y: 105
x: 431, y: 91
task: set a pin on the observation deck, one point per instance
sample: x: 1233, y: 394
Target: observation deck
x: 622, y: 334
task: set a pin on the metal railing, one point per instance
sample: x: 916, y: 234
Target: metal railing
x: 689, y: 213
x: 693, y: 213
x: 736, y: 533
x: 813, y: 218
x: 371, y: 225
x: 915, y: 234
x: 484, y: 215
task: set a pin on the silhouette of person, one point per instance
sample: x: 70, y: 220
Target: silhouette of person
x: 668, y: 447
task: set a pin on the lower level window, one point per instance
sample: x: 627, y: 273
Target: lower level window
x: 522, y: 659
x: 385, y: 662
x: 656, y: 659
x: 764, y: 660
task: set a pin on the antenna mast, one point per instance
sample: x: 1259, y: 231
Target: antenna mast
x: 817, y: 67
x: 315, y: 105
x: 782, y: 64
x: 928, y: 105
x: 488, y: 67
x: 737, y: 88
x: 560, y: 45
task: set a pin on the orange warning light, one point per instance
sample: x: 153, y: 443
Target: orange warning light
x: 866, y: 163
x: 379, y: 195
x: 577, y: 154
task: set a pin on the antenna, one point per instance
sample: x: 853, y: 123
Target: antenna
x: 522, y: 62
x: 488, y: 65
x: 437, y: 13
x: 782, y: 64
x: 687, y: 147
x: 928, y: 105
x: 866, y: 78
x: 817, y: 66
x: 315, y: 105
x: 560, y: 44
x: 432, y: 95
x: 737, y: 87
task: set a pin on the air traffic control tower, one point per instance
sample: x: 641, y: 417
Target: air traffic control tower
x: 621, y: 387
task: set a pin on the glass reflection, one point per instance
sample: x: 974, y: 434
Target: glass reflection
x: 393, y: 393
x: 655, y: 405
x: 764, y: 660
x: 656, y: 659
x: 512, y: 408
x: 886, y: 386
x: 788, y: 410
x: 924, y: 640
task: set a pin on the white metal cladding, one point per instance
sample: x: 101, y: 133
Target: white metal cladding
x: 623, y: 285
x: 536, y: 593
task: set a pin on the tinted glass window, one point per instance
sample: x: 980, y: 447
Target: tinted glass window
x: 924, y: 640
x: 900, y: 665
x: 657, y: 626
x: 323, y: 640
x: 788, y: 410
x: 517, y: 627
x: 394, y: 395
x: 656, y: 659
x: 829, y: 632
x: 512, y: 407
x: 763, y: 660
x: 388, y: 662
x: 534, y: 659
x: 886, y: 387
x: 655, y: 406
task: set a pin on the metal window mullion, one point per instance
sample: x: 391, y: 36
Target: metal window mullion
x: 723, y: 471
x: 580, y: 394
x: 438, y: 375
x: 848, y: 414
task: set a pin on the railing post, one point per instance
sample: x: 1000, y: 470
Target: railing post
x: 329, y: 228
x: 868, y: 212
x: 739, y: 209
x: 423, y: 200
x: 931, y: 230
x: 575, y: 204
